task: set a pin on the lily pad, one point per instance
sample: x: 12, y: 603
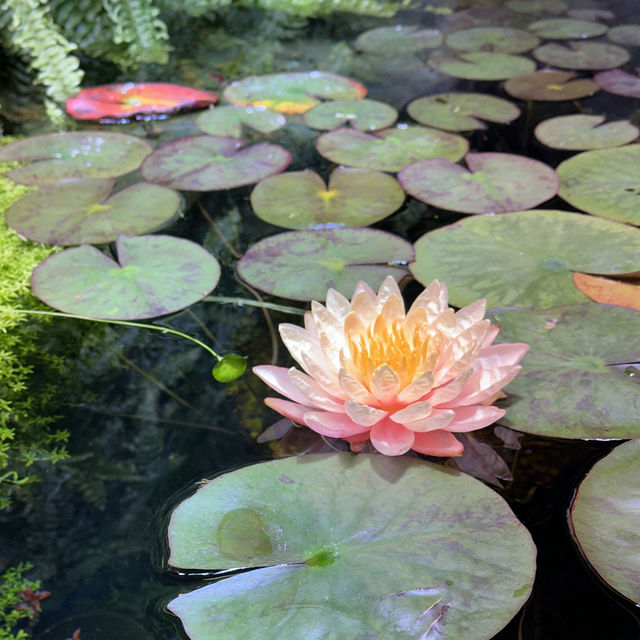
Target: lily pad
x: 481, y: 65
x: 607, y: 291
x: 82, y: 211
x: 460, y: 111
x: 591, y: 15
x: 569, y: 386
x: 537, y: 6
x: 364, y: 115
x: 550, y: 86
x: 567, y: 29
x: 154, y: 275
x: 292, y: 92
x: 228, y: 121
x: 209, y: 163
x: 495, y: 39
x: 389, y: 560
x: 605, y: 519
x: 495, y: 183
x: 300, y: 200
x: 580, y: 132
x: 397, y: 40
x: 302, y: 265
x: 582, y: 55
x: 604, y: 183
x: 80, y: 154
x: 627, y: 34
x: 391, y: 149
x: 619, y: 82
x: 524, y: 258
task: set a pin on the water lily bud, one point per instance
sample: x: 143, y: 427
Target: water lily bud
x: 230, y: 367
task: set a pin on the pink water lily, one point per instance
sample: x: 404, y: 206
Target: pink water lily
x: 404, y: 380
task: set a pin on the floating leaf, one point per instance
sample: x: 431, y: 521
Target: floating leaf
x: 364, y: 115
x: 397, y: 40
x: 591, y: 15
x: 84, y: 211
x: 619, y: 82
x: 391, y: 149
x: 292, y: 92
x: 550, y: 86
x: 537, y: 6
x: 481, y: 65
x: 80, y: 154
x: 604, y: 183
x: 460, y: 111
x: 388, y: 560
x: 524, y: 258
x: 582, y: 55
x: 302, y: 265
x: 495, y: 39
x: 156, y: 275
x: 605, y: 519
x: 300, y: 200
x: 495, y: 183
x: 229, y: 120
x: 208, y: 163
x: 628, y: 34
x: 607, y: 291
x: 567, y: 29
x: 579, y: 132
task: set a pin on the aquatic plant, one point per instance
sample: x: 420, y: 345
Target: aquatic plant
x: 13, y: 610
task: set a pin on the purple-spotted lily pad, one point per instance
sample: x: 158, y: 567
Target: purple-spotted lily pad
x: 580, y: 132
x: 300, y: 200
x: 582, y: 55
x: 292, y: 92
x: 604, y: 183
x: 460, y: 111
x: 397, y: 40
x: 155, y: 275
x: 567, y: 29
x: 628, y: 34
x: 481, y: 65
x: 569, y: 385
x: 85, y: 211
x: 325, y: 564
x: 79, y: 154
x: 619, y: 82
x: 209, y: 163
x: 537, y: 6
x: 364, y: 115
x: 495, y: 183
x: 605, y: 519
x: 302, y: 265
x: 524, y: 258
x: 391, y: 149
x: 496, y: 39
x: 550, y: 86
x: 228, y: 121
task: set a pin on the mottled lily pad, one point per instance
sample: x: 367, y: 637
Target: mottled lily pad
x: 591, y: 15
x: 292, y: 92
x: 582, y: 55
x: 460, y: 111
x: 604, y: 183
x: 569, y: 386
x: 524, y: 258
x: 481, y: 65
x: 80, y: 154
x: 302, y: 265
x: 627, y: 34
x: 537, y: 6
x: 300, y: 200
x: 580, y: 132
x: 84, y: 211
x: 228, y: 121
x: 364, y: 115
x: 495, y: 183
x: 605, y: 519
x: 389, y: 560
x: 391, y: 149
x: 155, y: 275
x: 397, y: 40
x: 550, y: 86
x: 619, y: 82
x: 567, y: 29
x: 209, y: 163
x: 608, y: 291
x: 496, y: 39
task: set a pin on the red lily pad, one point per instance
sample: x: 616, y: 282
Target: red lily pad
x: 537, y: 6
x: 391, y: 149
x: 580, y: 132
x: 460, y: 111
x: 123, y: 100
x: 397, y: 40
x: 292, y: 92
x: 495, y: 39
x: 619, y: 82
x: 591, y: 15
x: 209, y: 163
x: 582, y: 55
x: 302, y: 265
x: 80, y: 154
x: 228, y: 121
x: 86, y: 211
x: 300, y: 200
x: 608, y: 291
x: 154, y: 275
x: 495, y: 183
x: 628, y: 34
x: 364, y: 115
x: 567, y: 29
x: 481, y: 65
x: 550, y: 86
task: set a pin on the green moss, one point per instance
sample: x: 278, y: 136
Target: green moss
x: 12, y: 583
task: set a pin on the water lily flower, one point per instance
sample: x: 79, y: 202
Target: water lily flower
x: 404, y: 380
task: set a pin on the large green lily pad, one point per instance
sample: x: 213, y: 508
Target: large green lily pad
x: 155, y: 275
x: 228, y: 121
x: 496, y: 39
x: 550, y: 86
x: 580, y: 132
x: 524, y: 258
x: 537, y: 6
x: 567, y: 29
x: 209, y: 163
x: 619, y: 82
x: 300, y: 200
x: 627, y: 34
x: 364, y: 115
x: 605, y: 519
x: 460, y: 111
x: 582, y: 55
x: 413, y: 552
x: 391, y: 149
x: 302, y: 265
x: 481, y: 65
x: 85, y: 211
x: 604, y: 183
x: 79, y: 154
x: 397, y: 40
x: 495, y: 183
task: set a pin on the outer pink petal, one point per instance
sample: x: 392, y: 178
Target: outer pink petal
x: 315, y: 394
x: 484, y: 384
x: 290, y: 410
x: 334, y: 425
x: 391, y: 439
x: 493, y: 331
x: 501, y: 355
x: 438, y: 419
x: 300, y: 344
x: 474, y: 417
x: 438, y: 443
x: 278, y: 379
